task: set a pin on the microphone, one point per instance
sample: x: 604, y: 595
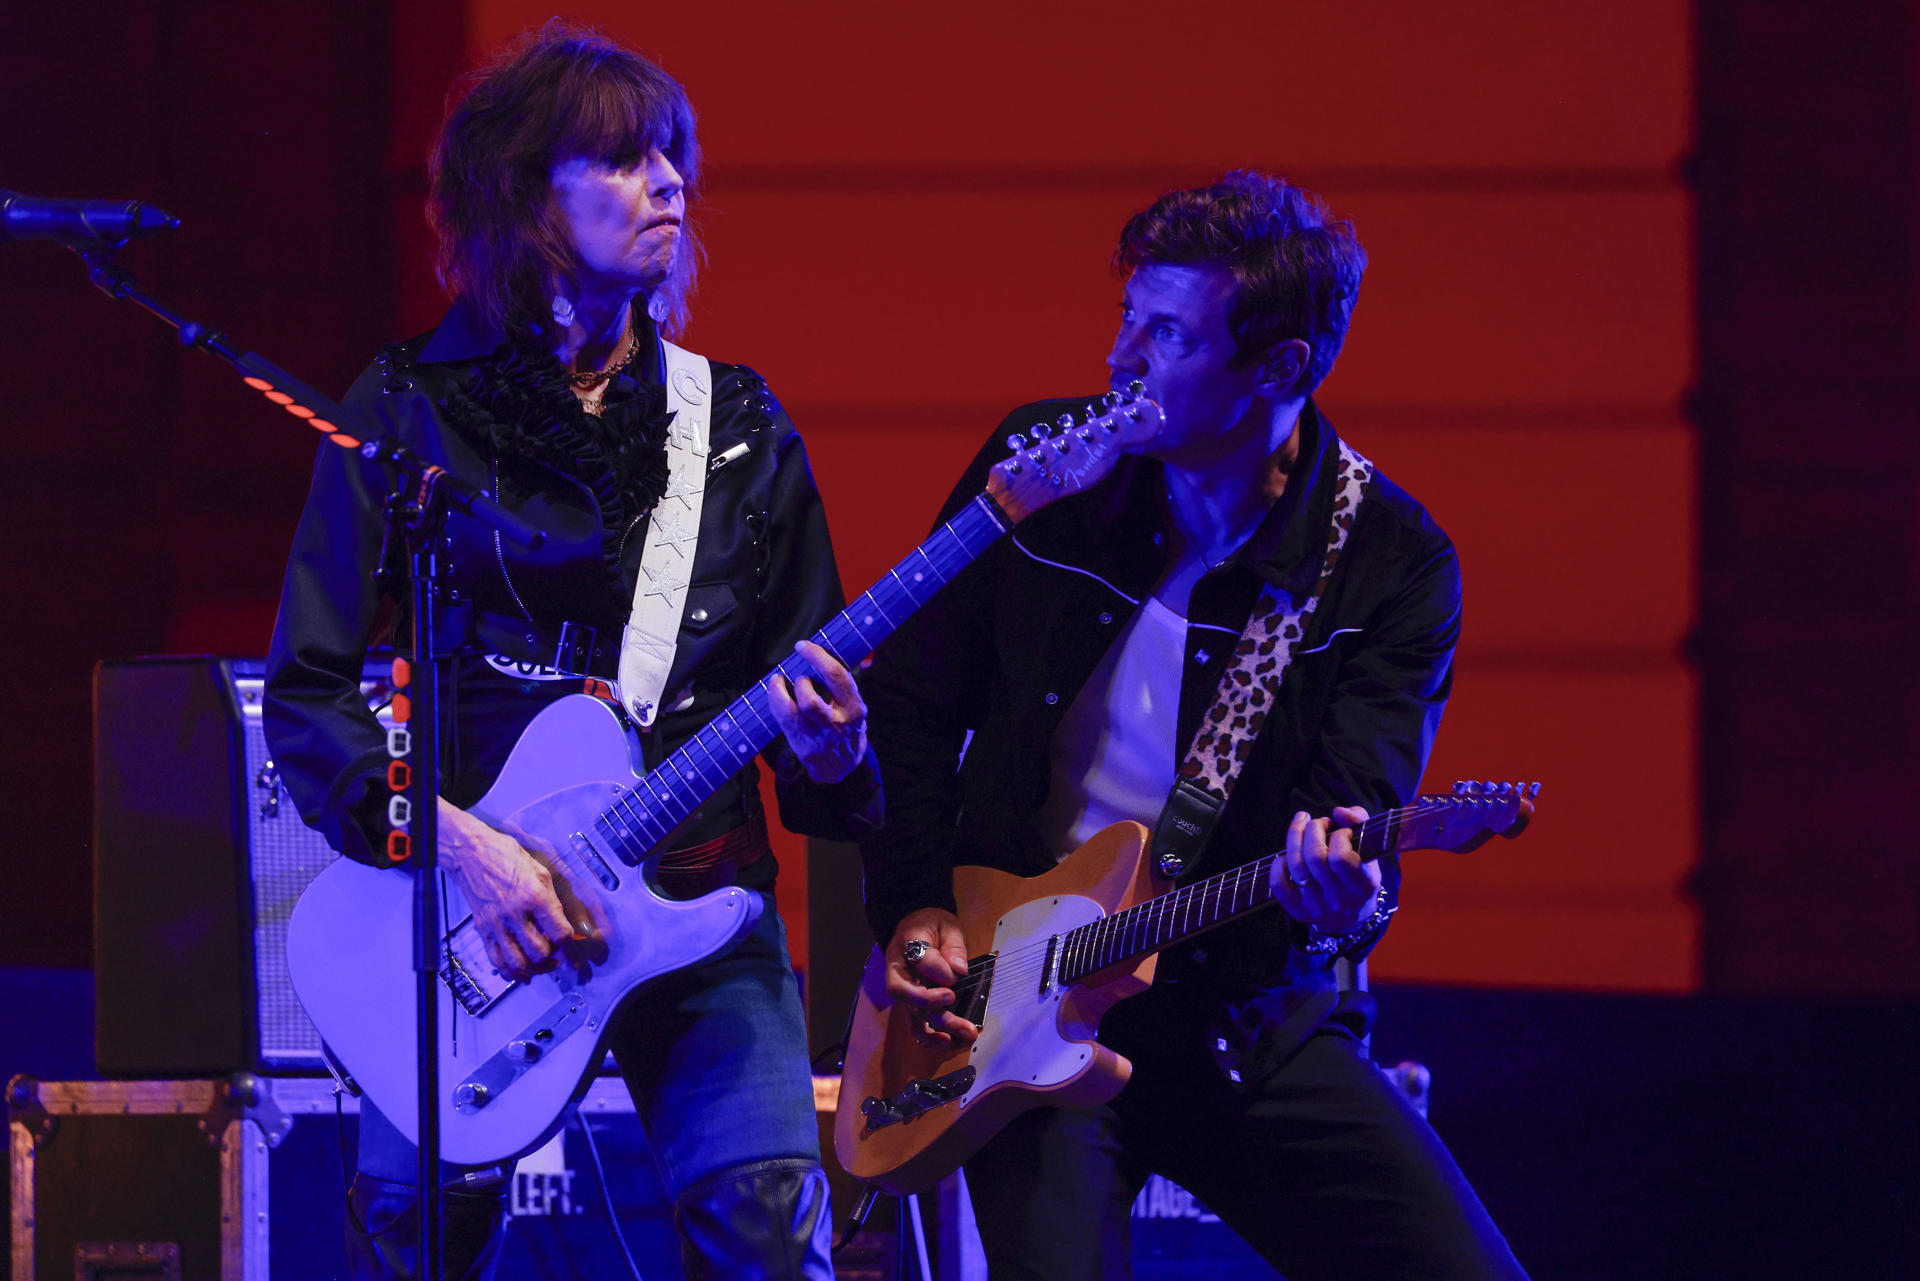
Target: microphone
x: 79, y: 222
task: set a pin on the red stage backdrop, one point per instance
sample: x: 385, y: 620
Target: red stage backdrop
x: 909, y: 213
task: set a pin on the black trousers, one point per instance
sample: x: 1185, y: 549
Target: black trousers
x: 1323, y: 1168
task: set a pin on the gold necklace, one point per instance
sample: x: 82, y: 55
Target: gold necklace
x: 592, y: 399
x: 594, y: 376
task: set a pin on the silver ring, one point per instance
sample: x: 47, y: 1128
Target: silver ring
x: 915, y: 949
x: 1299, y: 884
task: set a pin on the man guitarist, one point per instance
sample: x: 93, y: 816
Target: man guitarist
x: 1083, y: 656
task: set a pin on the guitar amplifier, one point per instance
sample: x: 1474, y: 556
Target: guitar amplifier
x: 199, y: 857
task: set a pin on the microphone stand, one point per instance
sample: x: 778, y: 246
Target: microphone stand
x: 421, y: 497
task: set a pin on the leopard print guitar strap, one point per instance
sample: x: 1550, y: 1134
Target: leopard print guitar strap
x: 1267, y: 645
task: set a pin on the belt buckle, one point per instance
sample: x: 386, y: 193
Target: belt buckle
x: 574, y: 652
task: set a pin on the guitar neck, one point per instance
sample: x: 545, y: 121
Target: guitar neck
x: 1128, y: 936
x: 662, y: 800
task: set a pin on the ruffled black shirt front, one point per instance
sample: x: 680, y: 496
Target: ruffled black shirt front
x: 501, y: 417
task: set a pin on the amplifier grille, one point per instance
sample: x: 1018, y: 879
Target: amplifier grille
x: 286, y: 855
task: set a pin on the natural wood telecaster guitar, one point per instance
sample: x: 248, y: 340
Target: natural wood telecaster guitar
x: 1068, y: 945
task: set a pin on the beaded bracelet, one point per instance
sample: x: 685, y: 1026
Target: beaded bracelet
x: 1319, y: 944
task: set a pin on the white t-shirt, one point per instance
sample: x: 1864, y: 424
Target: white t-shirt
x: 1112, y: 756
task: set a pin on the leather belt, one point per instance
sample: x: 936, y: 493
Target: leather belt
x: 700, y: 869
x: 573, y: 649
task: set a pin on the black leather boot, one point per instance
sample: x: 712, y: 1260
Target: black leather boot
x: 767, y: 1219
x: 383, y: 1230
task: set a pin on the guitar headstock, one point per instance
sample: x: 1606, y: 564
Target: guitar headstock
x: 1067, y: 457
x: 1465, y: 818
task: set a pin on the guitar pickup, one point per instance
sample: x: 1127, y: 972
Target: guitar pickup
x: 918, y: 1097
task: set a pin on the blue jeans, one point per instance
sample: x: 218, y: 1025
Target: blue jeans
x: 715, y: 1057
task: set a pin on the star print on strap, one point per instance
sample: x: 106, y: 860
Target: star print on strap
x: 673, y: 539
x: 663, y: 583
x: 680, y: 485
x: 673, y: 533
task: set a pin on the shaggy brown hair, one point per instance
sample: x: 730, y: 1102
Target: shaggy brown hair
x: 560, y: 93
x: 1296, y: 271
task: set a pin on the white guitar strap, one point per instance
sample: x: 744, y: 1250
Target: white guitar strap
x: 673, y: 536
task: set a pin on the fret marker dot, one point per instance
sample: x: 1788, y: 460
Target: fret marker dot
x: 916, y: 578
x: 867, y: 619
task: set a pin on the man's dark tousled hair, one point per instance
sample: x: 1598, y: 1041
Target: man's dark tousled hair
x: 1296, y: 269
x: 561, y: 92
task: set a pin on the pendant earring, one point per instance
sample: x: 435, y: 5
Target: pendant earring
x: 562, y: 310
x: 657, y: 309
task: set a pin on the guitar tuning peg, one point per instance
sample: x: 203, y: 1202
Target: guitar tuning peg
x: 1506, y: 789
x: 1040, y: 432
x: 1461, y: 787
x: 1064, y: 422
x: 1136, y: 389
x: 1533, y: 790
x: 1111, y: 399
x: 1016, y: 442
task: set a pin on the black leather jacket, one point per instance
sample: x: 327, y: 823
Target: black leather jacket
x: 1005, y: 648
x: 763, y: 577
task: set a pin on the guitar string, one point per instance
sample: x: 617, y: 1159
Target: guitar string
x: 945, y: 553
x: 1121, y: 931
x: 949, y: 550
x: 957, y: 543
x: 1122, y: 934
x: 1155, y: 910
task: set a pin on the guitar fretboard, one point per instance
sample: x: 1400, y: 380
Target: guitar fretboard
x: 1192, y: 909
x: 661, y: 801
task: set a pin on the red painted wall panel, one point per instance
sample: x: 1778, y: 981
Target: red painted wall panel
x: 1543, y: 300
x: 909, y: 215
x: 1006, y: 85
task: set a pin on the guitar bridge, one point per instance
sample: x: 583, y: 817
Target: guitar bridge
x: 463, y: 968
x: 918, y: 1097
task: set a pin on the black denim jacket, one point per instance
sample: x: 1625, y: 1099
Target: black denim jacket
x: 1004, y: 649
x: 763, y: 577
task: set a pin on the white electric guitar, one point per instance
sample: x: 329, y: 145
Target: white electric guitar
x: 513, y: 1056
x: 1067, y: 945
